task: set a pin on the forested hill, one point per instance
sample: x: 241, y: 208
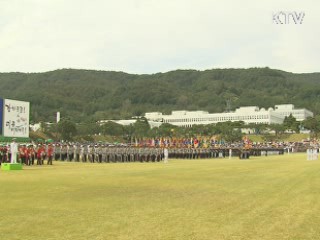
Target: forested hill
x: 86, y: 95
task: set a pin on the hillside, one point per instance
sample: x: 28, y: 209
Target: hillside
x: 86, y: 95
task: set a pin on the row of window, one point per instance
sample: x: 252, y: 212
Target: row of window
x: 260, y: 122
x: 296, y: 112
x: 217, y: 119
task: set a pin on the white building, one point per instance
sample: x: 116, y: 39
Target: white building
x: 286, y: 109
x: 251, y: 114
x: 131, y: 121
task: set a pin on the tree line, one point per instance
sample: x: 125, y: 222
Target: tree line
x: 229, y: 131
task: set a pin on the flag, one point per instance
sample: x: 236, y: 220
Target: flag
x: 195, y: 142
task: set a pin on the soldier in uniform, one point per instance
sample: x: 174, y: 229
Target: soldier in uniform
x: 132, y: 157
x: 91, y: 153
x: 3, y: 154
x: 86, y: 153
x: 26, y: 154
x: 166, y: 155
x: 63, y: 152
x: 103, y: 153
x: 76, y: 153
x: 56, y: 152
x: 14, y: 150
x: 49, y: 154
x: 40, y: 154
x: 22, y: 151
x: 70, y: 152
x: 99, y: 153
x: 119, y: 155
x: 108, y: 153
x: 135, y: 152
x: 31, y: 153
x: 81, y: 153
x: 145, y: 154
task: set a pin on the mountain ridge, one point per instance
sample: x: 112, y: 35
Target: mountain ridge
x: 89, y: 95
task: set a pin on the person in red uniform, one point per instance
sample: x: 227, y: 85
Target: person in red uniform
x: 22, y: 155
x: 49, y: 154
x: 40, y: 154
x: 26, y: 154
x: 1, y: 154
x: 4, y: 153
x: 31, y: 154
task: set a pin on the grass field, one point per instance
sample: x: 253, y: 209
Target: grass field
x: 274, y: 197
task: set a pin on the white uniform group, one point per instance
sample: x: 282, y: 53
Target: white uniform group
x: 312, y: 154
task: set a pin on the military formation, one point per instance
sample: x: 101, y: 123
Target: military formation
x: 39, y: 154
x: 28, y: 154
x: 195, y: 153
x: 100, y: 153
x: 221, y: 152
x: 92, y: 153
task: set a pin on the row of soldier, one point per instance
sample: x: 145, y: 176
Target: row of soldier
x: 195, y: 153
x: 28, y: 154
x: 103, y: 153
x: 31, y: 154
x: 38, y: 153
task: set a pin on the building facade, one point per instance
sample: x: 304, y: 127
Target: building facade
x: 251, y: 114
x: 286, y: 109
x: 131, y: 121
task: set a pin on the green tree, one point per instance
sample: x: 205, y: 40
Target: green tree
x: 277, y: 128
x: 67, y: 129
x: 111, y: 128
x: 141, y: 128
x: 166, y: 130
x: 291, y: 123
x: 258, y: 128
x: 88, y: 128
x: 128, y: 131
x: 230, y: 131
x: 312, y: 124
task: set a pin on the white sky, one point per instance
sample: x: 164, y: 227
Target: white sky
x: 149, y: 36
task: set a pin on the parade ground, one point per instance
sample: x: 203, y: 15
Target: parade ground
x: 273, y: 197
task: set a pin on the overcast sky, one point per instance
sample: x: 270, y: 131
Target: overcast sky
x: 150, y: 36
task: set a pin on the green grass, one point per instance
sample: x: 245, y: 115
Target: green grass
x: 274, y: 197
x: 292, y: 137
x: 295, y: 137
